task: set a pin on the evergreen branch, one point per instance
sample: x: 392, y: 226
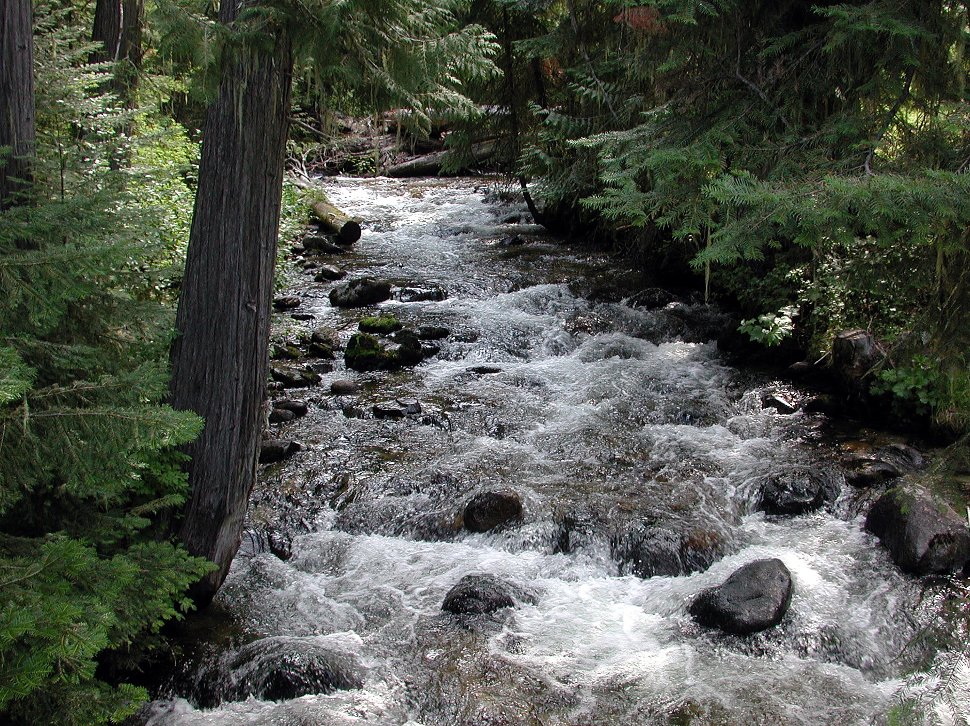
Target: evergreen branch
x: 890, y: 117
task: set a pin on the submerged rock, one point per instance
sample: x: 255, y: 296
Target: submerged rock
x: 433, y: 332
x: 282, y: 667
x: 753, y: 598
x: 797, y: 492
x: 646, y: 550
x: 415, y: 294
x: 922, y: 533
x: 489, y: 510
x: 482, y: 594
x: 360, y: 292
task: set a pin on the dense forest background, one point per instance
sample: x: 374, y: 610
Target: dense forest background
x: 807, y: 163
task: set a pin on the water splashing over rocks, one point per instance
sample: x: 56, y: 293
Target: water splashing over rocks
x: 645, y: 468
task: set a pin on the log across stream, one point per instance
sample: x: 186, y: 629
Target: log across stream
x: 639, y: 459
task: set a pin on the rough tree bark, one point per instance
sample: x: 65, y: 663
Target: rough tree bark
x: 17, y: 131
x: 117, y: 26
x: 220, y: 359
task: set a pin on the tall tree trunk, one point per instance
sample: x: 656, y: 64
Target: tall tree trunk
x: 118, y: 28
x: 16, y: 98
x: 220, y: 358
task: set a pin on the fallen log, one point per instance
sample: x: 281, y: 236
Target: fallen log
x: 335, y: 221
x: 430, y: 164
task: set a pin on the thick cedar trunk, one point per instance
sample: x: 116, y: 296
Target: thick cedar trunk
x: 16, y: 97
x: 220, y: 358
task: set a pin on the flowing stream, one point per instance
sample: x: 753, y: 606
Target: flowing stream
x: 601, y: 416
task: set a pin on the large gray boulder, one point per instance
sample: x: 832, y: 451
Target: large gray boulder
x: 922, y: 533
x: 753, y: 598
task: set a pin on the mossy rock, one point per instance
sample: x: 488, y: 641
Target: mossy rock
x: 365, y: 353
x: 380, y: 324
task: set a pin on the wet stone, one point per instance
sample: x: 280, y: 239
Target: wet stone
x: 410, y: 406
x: 869, y: 471
x: 279, y: 415
x: 754, y: 598
x: 285, y: 352
x: 779, y: 402
x: 294, y: 377
x: 321, y: 245
x: 484, y: 370
x: 433, y: 332
x: 273, y: 450
x: 299, y: 408
x: 414, y: 294
x: 344, y: 387
x: 922, y: 533
x: 360, y: 292
x: 303, y: 316
x: 797, y: 492
x: 483, y: 594
x: 287, y: 302
x: 283, y: 667
x: 388, y: 409
x: 488, y: 510
x: 329, y: 273
x: 647, y: 550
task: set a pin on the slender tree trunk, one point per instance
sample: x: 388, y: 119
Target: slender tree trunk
x: 220, y: 358
x: 16, y: 98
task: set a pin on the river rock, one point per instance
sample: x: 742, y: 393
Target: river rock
x: 280, y: 415
x: 285, y: 351
x: 380, y: 325
x: 344, y: 387
x: 797, y: 492
x: 433, y: 332
x: 287, y: 302
x: 299, y: 408
x: 273, y: 450
x: 483, y: 594
x: 360, y: 292
x: 753, y: 598
x: 651, y: 298
x: 416, y: 294
x: 863, y: 471
x: 429, y: 350
x: 922, y: 533
x: 329, y: 273
x: 284, y: 667
x: 488, y: 510
x: 365, y: 353
x: 409, y: 351
x: 484, y: 370
x: 388, y: 409
x: 647, y: 550
x: 321, y: 245
x: 294, y: 377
